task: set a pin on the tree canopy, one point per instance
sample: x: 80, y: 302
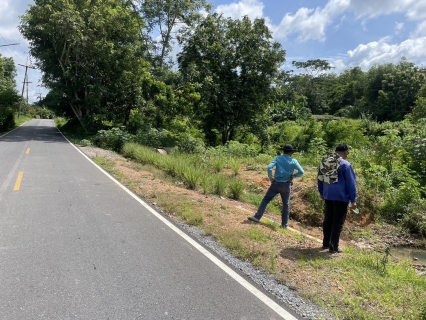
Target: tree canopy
x: 233, y: 64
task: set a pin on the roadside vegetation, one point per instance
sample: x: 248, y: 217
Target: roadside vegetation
x: 221, y: 109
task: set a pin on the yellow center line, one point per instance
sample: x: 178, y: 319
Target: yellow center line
x: 18, y: 181
x: 28, y: 151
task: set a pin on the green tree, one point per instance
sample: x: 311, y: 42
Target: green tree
x: 399, y: 90
x: 233, y: 64
x: 312, y: 84
x: 346, y: 91
x: 8, y: 95
x: 90, y: 52
x: 167, y: 22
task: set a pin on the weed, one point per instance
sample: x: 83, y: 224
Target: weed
x: 85, y: 143
x: 258, y: 234
x: 236, y: 188
x: 218, y: 164
x: 219, y: 184
x: 191, y: 177
x: 206, y: 183
x: 235, y: 165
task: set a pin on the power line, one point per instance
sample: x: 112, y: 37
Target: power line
x: 11, y: 44
x: 11, y: 49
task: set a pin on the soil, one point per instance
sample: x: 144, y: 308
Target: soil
x: 359, y: 229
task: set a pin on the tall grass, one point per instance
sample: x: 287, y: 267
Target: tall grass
x: 220, y: 183
x: 236, y: 188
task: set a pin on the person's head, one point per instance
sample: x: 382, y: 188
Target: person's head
x: 342, y: 150
x: 288, y: 149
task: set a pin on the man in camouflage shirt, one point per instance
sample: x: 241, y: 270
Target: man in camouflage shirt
x: 337, y: 187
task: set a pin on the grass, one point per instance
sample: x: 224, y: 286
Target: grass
x: 369, y: 291
x: 359, y: 284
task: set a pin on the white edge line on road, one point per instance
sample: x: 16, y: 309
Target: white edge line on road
x: 260, y: 295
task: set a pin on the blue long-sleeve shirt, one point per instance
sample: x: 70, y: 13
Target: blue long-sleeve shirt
x: 344, y: 189
x: 284, y: 168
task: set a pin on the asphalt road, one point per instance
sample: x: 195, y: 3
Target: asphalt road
x: 74, y: 244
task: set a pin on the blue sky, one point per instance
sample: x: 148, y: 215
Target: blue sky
x: 347, y: 33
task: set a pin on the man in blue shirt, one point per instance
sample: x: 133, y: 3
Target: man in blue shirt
x: 337, y: 186
x: 281, y: 183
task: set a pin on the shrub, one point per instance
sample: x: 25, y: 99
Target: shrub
x: 239, y: 150
x: 415, y: 218
x: 7, y: 119
x: 344, y: 130
x: 187, y: 144
x: 113, y: 139
x: 397, y: 201
x: 85, y: 143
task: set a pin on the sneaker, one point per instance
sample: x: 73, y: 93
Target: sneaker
x: 325, y: 247
x: 283, y: 226
x: 254, y: 219
x: 335, y: 250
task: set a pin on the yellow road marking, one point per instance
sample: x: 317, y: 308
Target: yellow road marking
x: 28, y: 151
x: 18, y: 181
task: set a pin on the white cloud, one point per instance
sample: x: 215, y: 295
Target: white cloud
x: 310, y: 23
x: 251, y: 8
x: 420, y: 31
x: 367, y: 55
x: 413, y: 9
x: 399, y: 26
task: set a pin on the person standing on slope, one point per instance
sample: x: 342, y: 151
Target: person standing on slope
x: 281, y: 183
x: 337, y: 187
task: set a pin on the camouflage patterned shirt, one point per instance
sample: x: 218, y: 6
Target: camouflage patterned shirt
x: 328, y: 171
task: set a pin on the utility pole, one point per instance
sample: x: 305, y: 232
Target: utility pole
x: 27, y: 86
x: 23, y: 86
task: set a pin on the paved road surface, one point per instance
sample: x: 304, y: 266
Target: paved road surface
x: 76, y: 245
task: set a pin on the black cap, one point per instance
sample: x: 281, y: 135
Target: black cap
x: 289, y: 148
x: 342, y: 147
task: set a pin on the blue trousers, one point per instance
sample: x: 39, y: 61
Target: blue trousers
x: 282, y: 188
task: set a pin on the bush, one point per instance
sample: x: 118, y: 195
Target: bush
x: 397, y: 202
x: 187, y: 144
x: 415, y: 218
x: 113, y: 139
x: 85, y: 143
x: 7, y: 119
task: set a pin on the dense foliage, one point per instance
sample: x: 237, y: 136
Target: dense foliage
x: 9, y: 98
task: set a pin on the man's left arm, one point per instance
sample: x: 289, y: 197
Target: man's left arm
x: 350, y: 184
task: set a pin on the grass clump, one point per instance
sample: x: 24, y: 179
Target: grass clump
x: 236, y: 188
x: 191, y: 177
x: 258, y: 235
x: 220, y: 183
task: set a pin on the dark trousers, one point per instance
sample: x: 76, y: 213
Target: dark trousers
x: 284, y: 189
x: 334, y: 217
